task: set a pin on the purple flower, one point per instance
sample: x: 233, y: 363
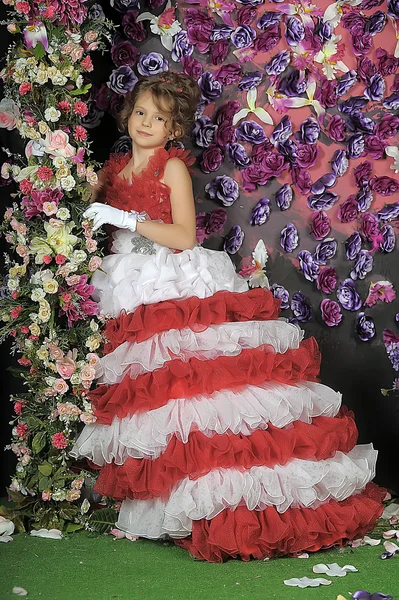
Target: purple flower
x: 353, y: 245
x: 374, y: 146
x: 363, y: 265
x: 330, y: 312
x: 323, y: 201
x: 294, y: 84
x: 225, y: 134
x: 229, y: 74
x: 212, y: 158
x: 280, y: 292
x: 389, y: 212
x: 269, y: 20
x: 386, y: 186
x: 345, y: 82
x: 376, y: 22
x: 364, y: 199
x: 250, y: 81
x: 376, y: 88
x: 288, y: 150
x: 122, y: 80
x: 216, y: 221
x: 306, y: 155
x: 152, y: 64
x: 246, y: 14
x: 289, y: 238
x: 365, y: 69
x: 252, y: 132
x: 221, y: 32
x: 124, y: 5
x: 267, y: 41
x: 363, y: 173
x: 325, y: 181
x: 261, y: 212
x: 321, y: 225
x: 308, y: 266
x: 369, y: 227
x: 123, y: 145
x: 325, y: 250
x: 323, y: 30
x: 309, y: 131
x: 237, y: 154
x: 348, y: 296
x: 361, y: 42
x: 96, y: 12
x: 223, y: 188
x: 282, y: 131
x: 124, y: 53
x: 388, y: 242
x: 219, y: 52
x: 243, y: 36
x: 283, y: 197
x: 234, y: 239
x: 388, y: 126
x: 181, y: 46
x: 360, y: 123
x: 339, y: 163
x: 348, y: 210
x: 393, y: 8
x: 365, y: 327
x: 191, y: 67
x: 352, y: 105
x: 355, y: 145
x: 278, y: 63
x: 392, y: 102
x: 204, y: 132
x: 327, y: 280
x: 133, y: 30
x: 211, y: 88
x: 300, y: 307
x: 295, y: 31
x: 336, y: 128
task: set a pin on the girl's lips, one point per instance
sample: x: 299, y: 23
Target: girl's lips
x: 144, y: 133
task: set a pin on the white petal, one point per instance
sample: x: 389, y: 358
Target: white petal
x: 132, y: 538
x: 387, y: 535
x: 306, y: 582
x: 6, y: 538
x: 145, y: 17
x: 260, y: 253
x: 371, y: 541
x: 349, y: 569
x: 252, y: 94
x: 320, y: 568
x: 240, y: 115
x: 303, y: 555
x: 54, y: 534
x: 263, y: 115
x: 6, y: 526
x: 391, y: 547
x: 167, y: 42
x: 392, y: 510
x: 19, y: 591
x: 392, y: 151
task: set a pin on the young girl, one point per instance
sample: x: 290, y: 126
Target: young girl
x: 211, y: 426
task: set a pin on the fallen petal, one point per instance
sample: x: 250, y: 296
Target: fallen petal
x: 54, y: 534
x: 390, y: 534
x: 19, y: 591
x: 6, y: 526
x: 392, y: 510
x: 117, y: 533
x: 391, y: 547
x: 371, y: 541
x: 132, y: 538
x: 306, y: 582
x: 303, y: 555
x: 6, y: 538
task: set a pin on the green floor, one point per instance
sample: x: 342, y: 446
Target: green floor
x: 85, y: 566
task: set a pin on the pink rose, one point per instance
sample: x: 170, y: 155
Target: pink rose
x: 65, y: 367
x: 57, y: 144
x: 9, y: 112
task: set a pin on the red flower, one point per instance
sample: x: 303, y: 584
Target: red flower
x: 24, y: 88
x: 80, y: 108
x: 18, y: 406
x: 23, y: 7
x: 60, y: 259
x: 14, y: 294
x: 80, y: 133
x: 59, y: 441
x: 24, y: 329
x: 22, y: 430
x: 44, y: 173
x: 25, y: 186
x: 15, y: 312
x: 64, y: 105
x: 47, y: 259
x: 86, y: 64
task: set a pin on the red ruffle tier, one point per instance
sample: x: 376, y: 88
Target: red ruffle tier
x: 196, y: 313
x: 179, y: 379
x: 145, y: 478
x: 259, y: 534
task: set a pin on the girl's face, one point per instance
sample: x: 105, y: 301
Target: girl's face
x: 147, y: 125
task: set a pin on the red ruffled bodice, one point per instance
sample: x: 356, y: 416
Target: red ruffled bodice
x: 145, y: 192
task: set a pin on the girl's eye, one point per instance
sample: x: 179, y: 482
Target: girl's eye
x: 139, y: 112
x: 161, y: 118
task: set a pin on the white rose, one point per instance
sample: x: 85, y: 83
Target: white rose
x: 21, y: 63
x: 12, y: 284
x: 93, y: 325
x: 37, y: 294
x: 42, y: 353
x: 59, y: 161
x: 46, y: 275
x: 44, y: 311
x: 52, y: 114
x: 51, y: 286
x: 34, y: 317
x: 68, y: 183
x: 34, y: 329
x: 75, y: 379
x: 43, y: 127
x: 59, y: 79
x: 28, y: 344
x: 41, y: 77
x: 79, y: 256
x: 63, y: 214
x: 79, y: 81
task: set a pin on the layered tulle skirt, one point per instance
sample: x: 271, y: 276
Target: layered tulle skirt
x: 212, y: 427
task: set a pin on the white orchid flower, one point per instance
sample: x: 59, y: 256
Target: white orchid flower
x: 259, y: 259
x: 252, y: 108
x: 393, y: 152
x: 326, y: 57
x: 309, y: 101
x: 334, y: 12
x: 395, y: 26
x: 334, y: 570
x: 166, y: 26
x: 6, y: 530
x: 303, y: 9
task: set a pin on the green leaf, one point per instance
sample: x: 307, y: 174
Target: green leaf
x: 33, y: 422
x: 44, y: 483
x: 38, y: 442
x: 39, y: 51
x: 15, y: 496
x: 81, y: 91
x: 103, y: 520
x: 72, y: 527
x: 384, y: 392
x: 45, y: 469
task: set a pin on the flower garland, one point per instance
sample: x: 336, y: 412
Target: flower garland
x: 45, y: 302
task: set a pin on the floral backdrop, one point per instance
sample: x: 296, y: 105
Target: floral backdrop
x: 296, y: 141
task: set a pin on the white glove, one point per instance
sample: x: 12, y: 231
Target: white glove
x: 103, y: 214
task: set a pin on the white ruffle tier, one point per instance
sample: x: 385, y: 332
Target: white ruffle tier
x: 226, y: 339
x: 146, y: 435
x: 299, y: 483
x: 126, y: 281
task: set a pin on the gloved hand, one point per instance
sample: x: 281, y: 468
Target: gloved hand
x: 102, y: 214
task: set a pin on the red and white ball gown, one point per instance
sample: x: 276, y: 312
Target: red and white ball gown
x: 211, y: 424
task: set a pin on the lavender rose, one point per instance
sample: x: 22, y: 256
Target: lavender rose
x: 336, y: 128
x: 365, y: 327
x: 212, y: 158
x: 284, y: 196
x: 353, y: 245
x: 325, y: 181
x: 389, y: 212
x: 321, y: 225
x: 280, y: 292
x: 348, y: 296
x: 282, y: 131
x: 211, y: 88
x: 181, y: 46
x: 223, y: 188
x: 204, y: 132
x: 229, y: 74
x: 124, y: 5
x: 152, y: 64
x: 376, y: 88
x: 250, y: 131
x: 308, y: 266
x: 330, y: 312
x: 122, y: 80
x: 309, y: 131
x: 327, y: 280
x: 234, y: 239
x: 243, y: 36
x: 355, y: 145
x: 391, y: 102
x: 221, y: 32
x: 269, y: 20
x: 250, y: 81
x: 278, y: 63
x: 261, y: 212
x: 345, y: 83
x: 238, y: 155
x: 364, y: 199
x: 325, y: 251
x: 300, y: 307
x: 363, y: 265
x: 289, y: 238
x: 323, y: 201
x: 388, y: 242
x: 293, y: 84
x: 295, y: 31
x: 339, y: 163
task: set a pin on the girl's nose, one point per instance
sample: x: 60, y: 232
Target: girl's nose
x: 146, y: 121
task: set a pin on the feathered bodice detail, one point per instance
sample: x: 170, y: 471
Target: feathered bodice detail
x: 144, y: 192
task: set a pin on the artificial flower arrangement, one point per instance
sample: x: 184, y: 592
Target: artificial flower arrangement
x: 45, y: 302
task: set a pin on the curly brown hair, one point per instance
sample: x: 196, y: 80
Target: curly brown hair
x: 173, y: 93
